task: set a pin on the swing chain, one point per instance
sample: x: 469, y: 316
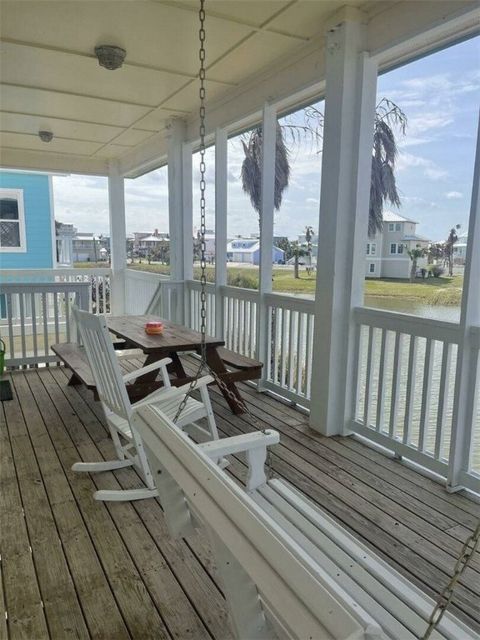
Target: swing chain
x: 466, y: 554
x: 203, y: 262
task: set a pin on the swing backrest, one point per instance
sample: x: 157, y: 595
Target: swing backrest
x: 103, y: 362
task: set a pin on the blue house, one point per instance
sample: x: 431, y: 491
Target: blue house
x: 27, y: 224
x: 248, y: 250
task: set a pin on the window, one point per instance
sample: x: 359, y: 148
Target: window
x: 371, y: 248
x: 396, y: 248
x: 12, y: 221
x: 371, y: 267
x: 394, y: 226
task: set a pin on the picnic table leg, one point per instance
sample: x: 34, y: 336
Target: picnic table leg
x: 216, y: 364
x: 74, y: 380
x: 175, y: 367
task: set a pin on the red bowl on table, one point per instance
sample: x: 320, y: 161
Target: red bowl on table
x: 154, y: 328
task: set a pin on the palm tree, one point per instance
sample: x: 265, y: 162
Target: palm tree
x: 297, y: 252
x: 414, y: 255
x: 383, y: 187
x: 448, y: 248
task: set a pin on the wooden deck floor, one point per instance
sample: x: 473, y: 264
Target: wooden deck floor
x: 76, y: 568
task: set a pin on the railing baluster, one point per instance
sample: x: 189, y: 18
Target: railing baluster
x: 308, y: 355
x: 21, y: 303
x: 34, y: 325
x: 381, y: 382
x: 55, y: 316
x: 397, y: 367
x: 291, y: 350
x: 276, y: 354
x: 300, y: 330
x: 426, y: 393
x: 410, y: 395
x: 270, y: 339
x: 10, y: 325
x: 66, y: 296
x: 368, y: 378
x: 46, y: 346
x: 443, y: 392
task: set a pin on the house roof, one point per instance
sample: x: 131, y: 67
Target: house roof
x: 251, y: 249
x: 153, y: 238
x: 391, y: 216
x: 413, y: 236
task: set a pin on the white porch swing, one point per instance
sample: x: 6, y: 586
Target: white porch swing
x: 288, y: 569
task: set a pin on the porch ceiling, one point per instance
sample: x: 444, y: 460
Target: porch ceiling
x: 51, y: 80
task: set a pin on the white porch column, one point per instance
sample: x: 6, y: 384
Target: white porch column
x: 176, y: 193
x: 187, y: 225
x: 465, y: 401
x: 344, y: 202
x: 269, y: 135
x: 221, y: 172
x: 118, y: 240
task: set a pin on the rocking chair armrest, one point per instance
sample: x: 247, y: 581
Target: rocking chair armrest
x: 168, y: 393
x: 143, y: 370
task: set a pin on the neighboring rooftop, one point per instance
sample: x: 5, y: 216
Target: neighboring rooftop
x: 390, y: 216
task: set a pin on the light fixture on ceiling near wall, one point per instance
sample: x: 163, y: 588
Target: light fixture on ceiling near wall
x: 45, y: 136
x: 110, y: 56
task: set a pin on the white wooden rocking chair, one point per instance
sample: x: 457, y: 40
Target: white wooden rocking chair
x: 119, y: 411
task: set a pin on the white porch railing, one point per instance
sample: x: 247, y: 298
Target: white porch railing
x: 43, y: 319
x: 153, y: 293
x: 99, y: 280
x: 405, y: 376
x: 240, y: 315
x: 290, y: 344
x: 404, y: 369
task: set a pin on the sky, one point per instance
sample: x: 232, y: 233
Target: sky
x: 440, y: 94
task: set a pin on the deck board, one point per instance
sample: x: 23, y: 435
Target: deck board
x: 111, y: 570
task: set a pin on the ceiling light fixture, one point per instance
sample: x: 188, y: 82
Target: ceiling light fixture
x: 45, y: 136
x: 109, y: 56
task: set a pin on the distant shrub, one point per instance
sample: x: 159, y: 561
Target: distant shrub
x: 436, y: 270
x: 242, y: 280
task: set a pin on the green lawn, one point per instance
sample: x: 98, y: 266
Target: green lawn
x: 432, y: 291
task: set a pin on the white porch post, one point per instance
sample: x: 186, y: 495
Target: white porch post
x: 118, y: 240
x: 221, y: 172
x: 467, y: 358
x: 344, y: 202
x: 269, y: 135
x: 176, y: 137
x: 187, y: 225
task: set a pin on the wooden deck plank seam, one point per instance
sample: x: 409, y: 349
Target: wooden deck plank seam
x: 99, y: 414
x: 5, y: 593
x: 54, y: 518
x: 77, y: 502
x: 165, y: 558
x: 116, y: 527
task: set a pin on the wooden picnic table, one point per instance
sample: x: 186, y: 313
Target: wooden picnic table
x: 175, y: 339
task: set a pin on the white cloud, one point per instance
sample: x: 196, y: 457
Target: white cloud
x: 430, y: 169
x: 454, y: 195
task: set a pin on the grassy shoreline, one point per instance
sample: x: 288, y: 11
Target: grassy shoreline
x: 445, y: 290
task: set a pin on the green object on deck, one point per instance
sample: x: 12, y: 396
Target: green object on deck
x: 2, y: 357
x: 5, y: 387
